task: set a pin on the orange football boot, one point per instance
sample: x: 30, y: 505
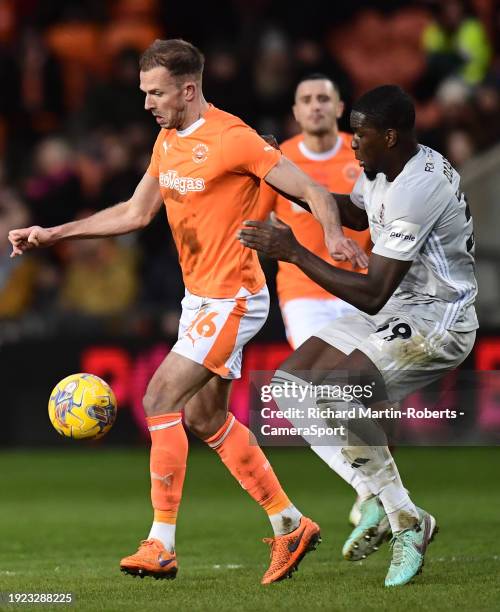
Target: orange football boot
x: 151, y: 559
x: 288, y: 550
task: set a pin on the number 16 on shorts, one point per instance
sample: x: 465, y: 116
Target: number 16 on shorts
x: 213, y: 332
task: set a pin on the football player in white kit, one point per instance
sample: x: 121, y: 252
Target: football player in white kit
x: 417, y: 319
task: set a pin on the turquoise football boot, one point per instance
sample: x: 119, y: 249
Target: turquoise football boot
x: 373, y: 528
x: 408, y: 550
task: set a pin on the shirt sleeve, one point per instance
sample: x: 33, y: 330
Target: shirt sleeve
x: 268, y: 199
x: 410, y: 216
x: 357, y: 192
x: 154, y: 165
x: 245, y: 152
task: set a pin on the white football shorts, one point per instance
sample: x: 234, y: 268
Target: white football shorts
x: 305, y: 316
x: 410, y: 352
x: 213, y: 332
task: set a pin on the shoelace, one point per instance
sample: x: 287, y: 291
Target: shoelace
x: 282, y: 558
x: 147, y: 543
x: 271, y: 542
x: 397, y: 544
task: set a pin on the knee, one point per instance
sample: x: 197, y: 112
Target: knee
x: 197, y: 426
x: 157, y: 400
x: 202, y: 427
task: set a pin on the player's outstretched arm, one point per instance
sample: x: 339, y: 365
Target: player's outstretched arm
x: 368, y: 292
x: 350, y: 215
x: 115, y: 220
x: 287, y: 178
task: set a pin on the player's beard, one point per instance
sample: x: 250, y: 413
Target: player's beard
x: 319, y: 131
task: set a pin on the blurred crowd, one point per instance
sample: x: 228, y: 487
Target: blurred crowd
x: 74, y: 136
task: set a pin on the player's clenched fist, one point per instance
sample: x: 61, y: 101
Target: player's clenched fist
x: 343, y: 248
x: 27, y: 238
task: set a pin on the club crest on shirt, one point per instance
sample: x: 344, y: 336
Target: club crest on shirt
x: 200, y: 153
x: 381, y: 214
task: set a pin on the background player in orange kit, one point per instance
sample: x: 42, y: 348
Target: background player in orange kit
x: 325, y: 154
x: 206, y: 167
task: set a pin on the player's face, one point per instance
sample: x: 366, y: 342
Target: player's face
x: 368, y: 144
x: 165, y: 97
x: 317, y: 106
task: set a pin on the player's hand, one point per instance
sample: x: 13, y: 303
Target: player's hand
x: 28, y: 238
x: 274, y: 239
x: 342, y: 248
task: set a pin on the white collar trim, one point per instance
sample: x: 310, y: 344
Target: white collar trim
x: 320, y: 156
x: 193, y: 127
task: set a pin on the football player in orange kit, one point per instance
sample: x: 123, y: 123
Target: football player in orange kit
x: 206, y: 168
x: 325, y: 154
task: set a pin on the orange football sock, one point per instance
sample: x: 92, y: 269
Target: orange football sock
x: 169, y: 449
x: 238, y: 449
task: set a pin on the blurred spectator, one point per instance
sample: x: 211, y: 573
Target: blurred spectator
x: 456, y: 44
x: 377, y: 48
x: 454, y: 111
x: 162, y: 286
x: 76, y: 42
x: 111, y: 163
x: 17, y: 275
x: 133, y: 24
x: 487, y: 99
x: 41, y: 83
x: 100, y: 277
x: 312, y: 57
x: 9, y: 77
x: 226, y: 82
x: 7, y: 21
x: 115, y: 102
x: 120, y: 175
x: 9, y: 99
x: 54, y: 190
x: 273, y: 81
x: 459, y: 147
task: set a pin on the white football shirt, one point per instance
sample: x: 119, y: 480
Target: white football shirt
x: 423, y: 217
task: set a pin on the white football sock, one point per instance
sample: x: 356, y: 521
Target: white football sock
x: 382, y: 476
x: 332, y: 456
x: 362, y: 489
x: 406, y: 515
x: 285, y: 521
x: 165, y: 532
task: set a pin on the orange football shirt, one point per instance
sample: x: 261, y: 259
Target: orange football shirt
x: 337, y: 170
x: 209, y: 177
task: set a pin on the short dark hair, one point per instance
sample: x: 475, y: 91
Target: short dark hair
x: 387, y: 107
x: 178, y: 56
x: 317, y: 76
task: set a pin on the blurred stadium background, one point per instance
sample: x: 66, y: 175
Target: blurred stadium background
x: 74, y: 138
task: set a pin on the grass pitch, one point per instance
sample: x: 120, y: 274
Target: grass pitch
x: 68, y: 516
